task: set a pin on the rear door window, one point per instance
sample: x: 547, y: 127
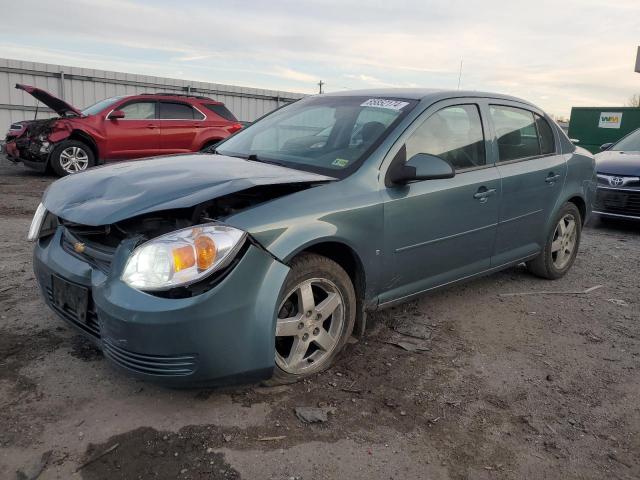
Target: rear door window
x: 221, y: 111
x: 516, y: 132
x: 178, y: 111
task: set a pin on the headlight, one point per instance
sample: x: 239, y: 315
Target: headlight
x: 36, y: 223
x: 182, y: 257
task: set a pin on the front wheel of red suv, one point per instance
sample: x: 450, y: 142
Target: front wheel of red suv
x: 71, y: 156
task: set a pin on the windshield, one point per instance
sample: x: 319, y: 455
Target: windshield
x: 330, y: 135
x: 630, y: 143
x: 101, y: 105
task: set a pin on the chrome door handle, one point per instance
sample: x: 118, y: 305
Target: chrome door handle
x: 483, y: 194
x: 552, y: 178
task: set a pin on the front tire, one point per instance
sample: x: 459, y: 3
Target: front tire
x: 561, y: 246
x: 71, y: 156
x: 315, y: 318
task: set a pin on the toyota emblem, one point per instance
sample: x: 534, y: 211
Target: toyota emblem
x: 616, y: 181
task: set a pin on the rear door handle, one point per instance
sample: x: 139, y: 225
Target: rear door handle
x: 551, y: 178
x: 484, y: 193
x: 152, y: 126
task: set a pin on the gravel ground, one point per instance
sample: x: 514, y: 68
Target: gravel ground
x: 538, y: 386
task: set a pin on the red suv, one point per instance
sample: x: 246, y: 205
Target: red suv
x: 117, y: 128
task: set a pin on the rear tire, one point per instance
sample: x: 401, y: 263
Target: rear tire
x: 315, y: 318
x: 71, y: 156
x: 561, y: 246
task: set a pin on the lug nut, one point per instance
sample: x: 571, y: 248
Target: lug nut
x: 318, y: 316
x: 309, y: 313
x: 316, y: 331
x: 305, y: 337
x: 300, y: 326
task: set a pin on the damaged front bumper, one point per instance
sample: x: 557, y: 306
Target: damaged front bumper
x: 33, y: 153
x: 224, y: 335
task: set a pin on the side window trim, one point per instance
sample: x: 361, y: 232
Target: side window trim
x: 534, y: 113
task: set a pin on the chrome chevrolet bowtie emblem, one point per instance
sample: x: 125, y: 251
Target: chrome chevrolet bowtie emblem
x: 79, y: 247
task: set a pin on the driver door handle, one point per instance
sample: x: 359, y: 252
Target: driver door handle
x: 484, y: 193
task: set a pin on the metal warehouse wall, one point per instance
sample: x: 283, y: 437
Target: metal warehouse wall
x: 82, y: 87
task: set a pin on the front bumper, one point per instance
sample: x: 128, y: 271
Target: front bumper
x: 27, y: 153
x: 225, y: 335
x: 617, y: 202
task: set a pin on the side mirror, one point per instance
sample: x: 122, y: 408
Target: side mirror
x: 422, y: 166
x: 605, y: 146
x: 116, y: 114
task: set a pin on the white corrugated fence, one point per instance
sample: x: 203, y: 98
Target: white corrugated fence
x: 82, y: 87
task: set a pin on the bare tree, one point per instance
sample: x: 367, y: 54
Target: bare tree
x: 634, y: 100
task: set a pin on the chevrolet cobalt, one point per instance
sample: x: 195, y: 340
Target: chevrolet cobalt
x: 259, y: 260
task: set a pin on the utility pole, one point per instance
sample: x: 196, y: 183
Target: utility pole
x: 460, y: 74
x: 320, y: 84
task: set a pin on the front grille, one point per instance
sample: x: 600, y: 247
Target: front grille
x: 90, y: 324
x: 95, y: 254
x: 170, y: 365
x: 618, y: 202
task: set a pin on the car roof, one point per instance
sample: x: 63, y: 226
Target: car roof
x: 173, y: 96
x: 433, y: 94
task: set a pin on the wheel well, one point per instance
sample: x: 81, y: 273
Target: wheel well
x: 348, y: 259
x: 86, y: 139
x: 210, y: 142
x: 582, y: 207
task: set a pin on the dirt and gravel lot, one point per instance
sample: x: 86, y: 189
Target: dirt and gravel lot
x: 537, y: 386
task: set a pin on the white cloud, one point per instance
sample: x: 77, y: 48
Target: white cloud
x: 559, y: 54
x: 293, y: 75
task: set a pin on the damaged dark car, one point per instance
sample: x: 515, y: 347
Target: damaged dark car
x: 259, y: 260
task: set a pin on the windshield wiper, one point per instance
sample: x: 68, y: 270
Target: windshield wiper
x: 254, y: 158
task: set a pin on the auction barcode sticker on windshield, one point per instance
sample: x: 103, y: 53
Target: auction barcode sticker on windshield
x: 385, y: 103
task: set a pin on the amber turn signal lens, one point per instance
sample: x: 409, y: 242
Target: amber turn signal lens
x: 183, y: 257
x: 206, y: 251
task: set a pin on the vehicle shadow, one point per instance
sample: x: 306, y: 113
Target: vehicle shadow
x: 614, y: 225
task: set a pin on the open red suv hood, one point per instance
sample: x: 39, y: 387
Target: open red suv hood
x: 59, y: 106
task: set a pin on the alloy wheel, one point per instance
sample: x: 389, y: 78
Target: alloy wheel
x: 310, y: 321
x: 564, y: 241
x: 74, y: 159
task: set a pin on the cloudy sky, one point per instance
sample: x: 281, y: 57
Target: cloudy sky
x: 558, y: 54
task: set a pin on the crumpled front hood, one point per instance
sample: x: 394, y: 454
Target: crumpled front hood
x: 614, y: 162
x: 109, y: 194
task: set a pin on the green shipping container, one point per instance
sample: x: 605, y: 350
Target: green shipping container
x: 590, y: 127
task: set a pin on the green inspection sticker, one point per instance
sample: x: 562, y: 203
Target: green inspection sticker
x: 340, y: 162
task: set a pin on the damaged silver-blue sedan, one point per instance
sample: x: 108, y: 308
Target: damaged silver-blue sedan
x: 258, y: 261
